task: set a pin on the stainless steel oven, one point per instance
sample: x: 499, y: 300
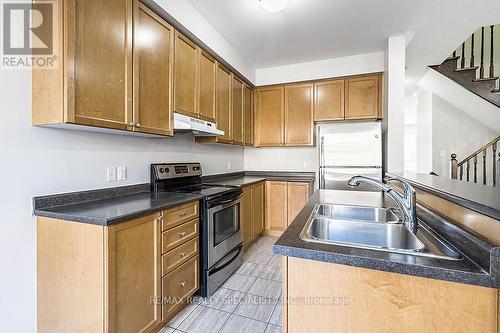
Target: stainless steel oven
x: 224, y: 226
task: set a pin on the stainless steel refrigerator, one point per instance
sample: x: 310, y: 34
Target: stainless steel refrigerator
x: 347, y: 150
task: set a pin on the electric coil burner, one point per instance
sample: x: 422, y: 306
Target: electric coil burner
x: 221, y: 236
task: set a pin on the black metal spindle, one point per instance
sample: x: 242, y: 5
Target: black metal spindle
x: 492, y: 66
x: 494, y: 147
x: 454, y: 53
x: 484, y: 167
x: 481, y: 67
x: 475, y: 169
x: 472, y: 62
x: 462, y: 60
x: 461, y: 172
x: 468, y: 169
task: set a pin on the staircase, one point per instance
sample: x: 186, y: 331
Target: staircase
x: 475, y: 66
x: 489, y: 165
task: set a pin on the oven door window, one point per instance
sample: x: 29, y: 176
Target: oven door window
x: 226, y: 223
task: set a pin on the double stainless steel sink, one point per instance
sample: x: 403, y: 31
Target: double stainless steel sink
x: 371, y: 228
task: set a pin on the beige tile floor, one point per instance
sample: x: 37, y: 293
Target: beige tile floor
x: 249, y: 301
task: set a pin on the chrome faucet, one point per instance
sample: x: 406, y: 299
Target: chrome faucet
x: 406, y: 203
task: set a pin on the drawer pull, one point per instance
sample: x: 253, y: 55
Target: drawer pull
x: 182, y: 234
x: 182, y: 213
x: 183, y: 284
x: 183, y: 254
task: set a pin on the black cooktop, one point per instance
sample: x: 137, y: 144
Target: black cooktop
x: 206, y: 191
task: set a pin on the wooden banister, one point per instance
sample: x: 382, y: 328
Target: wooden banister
x: 457, y: 168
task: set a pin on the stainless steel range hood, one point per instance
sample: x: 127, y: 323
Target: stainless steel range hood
x: 199, y: 127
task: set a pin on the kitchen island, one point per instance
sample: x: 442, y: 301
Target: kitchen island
x: 338, y: 288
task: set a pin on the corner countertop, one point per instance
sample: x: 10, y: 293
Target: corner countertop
x: 112, y: 210
x: 464, y: 270
x: 480, y: 198
x: 247, y: 178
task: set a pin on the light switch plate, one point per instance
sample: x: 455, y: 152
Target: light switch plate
x: 122, y: 173
x: 229, y: 165
x: 111, y: 174
x: 442, y: 153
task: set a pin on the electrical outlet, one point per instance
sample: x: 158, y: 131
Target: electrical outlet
x: 305, y: 165
x: 229, y: 165
x: 122, y: 172
x: 111, y: 174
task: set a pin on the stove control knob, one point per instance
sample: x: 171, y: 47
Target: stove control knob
x: 167, y: 170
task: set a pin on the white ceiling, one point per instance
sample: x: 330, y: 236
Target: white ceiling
x: 309, y: 30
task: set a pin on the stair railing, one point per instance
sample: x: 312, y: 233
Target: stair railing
x: 457, y: 168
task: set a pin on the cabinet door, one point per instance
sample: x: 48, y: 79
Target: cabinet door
x: 153, y: 62
x: 258, y: 209
x: 329, y: 100
x: 276, y: 205
x: 270, y: 116
x: 362, y: 97
x: 246, y: 216
x: 297, y: 196
x: 133, y: 275
x: 299, y: 114
x: 186, y: 76
x: 237, y: 110
x: 248, y: 115
x: 223, y: 104
x: 100, y: 73
x: 208, y: 69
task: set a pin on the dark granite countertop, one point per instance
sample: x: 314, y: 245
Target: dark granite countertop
x: 478, y: 197
x: 110, y: 210
x: 247, y: 178
x: 238, y: 181
x: 465, y: 270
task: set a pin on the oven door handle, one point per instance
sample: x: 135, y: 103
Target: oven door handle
x: 224, y: 202
x: 227, y: 261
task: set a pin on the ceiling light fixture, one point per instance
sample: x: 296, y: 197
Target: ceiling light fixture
x: 273, y: 6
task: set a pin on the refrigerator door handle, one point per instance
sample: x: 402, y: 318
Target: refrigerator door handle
x: 322, y: 163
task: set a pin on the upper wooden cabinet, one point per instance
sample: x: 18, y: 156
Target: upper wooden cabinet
x: 208, y: 70
x: 363, y: 97
x: 153, y: 60
x: 186, y: 76
x: 270, y: 116
x: 299, y: 115
x: 248, y: 116
x: 237, y: 110
x: 223, y: 104
x: 329, y: 100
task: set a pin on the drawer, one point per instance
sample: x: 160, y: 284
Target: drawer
x: 174, y: 216
x: 183, y: 282
x: 176, y: 257
x: 179, y: 235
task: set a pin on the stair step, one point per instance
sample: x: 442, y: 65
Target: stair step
x: 466, y: 69
x: 452, y: 58
x: 495, y: 91
x: 486, y: 79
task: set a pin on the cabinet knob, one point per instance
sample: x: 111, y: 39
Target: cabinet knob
x: 182, y: 213
x: 131, y: 124
x: 183, y: 284
x: 182, y: 234
x: 183, y: 254
x: 137, y: 125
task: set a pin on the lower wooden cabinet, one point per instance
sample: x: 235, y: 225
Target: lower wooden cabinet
x: 351, y: 299
x: 252, y: 213
x: 284, y: 200
x: 129, y: 277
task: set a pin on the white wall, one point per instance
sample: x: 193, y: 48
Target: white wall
x: 184, y: 12
x: 395, y: 72
x: 424, y: 131
x: 352, y: 65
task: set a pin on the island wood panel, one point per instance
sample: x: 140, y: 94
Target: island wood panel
x: 133, y: 275
x: 185, y: 76
x: 99, y: 65
x: 363, y: 97
x: 153, y: 67
x: 299, y: 122
x: 258, y: 209
x: 60, y: 281
x: 329, y: 100
x: 237, y: 110
x: 366, y: 300
x: 247, y: 216
x: 276, y: 205
x: 297, y: 197
x: 248, y: 116
x: 208, y: 70
x: 223, y: 103
x: 270, y: 116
